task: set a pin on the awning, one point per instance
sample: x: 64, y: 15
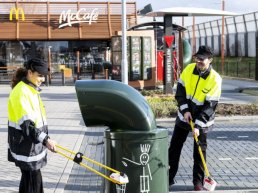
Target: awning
x: 189, y: 11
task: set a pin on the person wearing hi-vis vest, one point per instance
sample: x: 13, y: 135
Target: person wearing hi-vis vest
x: 28, y: 138
x: 197, y: 94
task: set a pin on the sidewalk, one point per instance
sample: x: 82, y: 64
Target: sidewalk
x: 234, y: 166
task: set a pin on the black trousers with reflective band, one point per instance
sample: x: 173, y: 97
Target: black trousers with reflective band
x: 31, y: 182
x: 177, y: 141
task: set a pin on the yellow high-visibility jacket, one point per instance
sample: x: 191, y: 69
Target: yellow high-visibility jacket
x: 27, y: 127
x: 199, y: 94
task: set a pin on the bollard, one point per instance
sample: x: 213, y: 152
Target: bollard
x: 63, y: 77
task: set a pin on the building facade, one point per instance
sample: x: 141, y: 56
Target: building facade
x: 71, y: 35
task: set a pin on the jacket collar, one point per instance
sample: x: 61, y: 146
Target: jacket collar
x: 26, y: 81
x: 205, y: 74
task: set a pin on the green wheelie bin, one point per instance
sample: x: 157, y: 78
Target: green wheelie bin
x: 133, y: 142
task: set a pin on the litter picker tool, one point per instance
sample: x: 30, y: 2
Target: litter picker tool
x: 119, y: 178
x: 209, y: 183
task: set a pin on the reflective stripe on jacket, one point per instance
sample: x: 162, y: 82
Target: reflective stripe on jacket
x: 27, y: 127
x: 198, y: 94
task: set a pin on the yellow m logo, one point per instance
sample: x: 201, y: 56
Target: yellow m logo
x: 17, y: 11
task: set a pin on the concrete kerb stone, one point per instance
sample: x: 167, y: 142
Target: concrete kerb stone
x: 219, y: 118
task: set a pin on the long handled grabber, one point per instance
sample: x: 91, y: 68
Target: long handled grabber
x: 116, y: 177
x: 209, y: 183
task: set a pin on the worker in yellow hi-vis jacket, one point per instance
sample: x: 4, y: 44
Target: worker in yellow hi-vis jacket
x: 198, y: 92
x: 27, y: 126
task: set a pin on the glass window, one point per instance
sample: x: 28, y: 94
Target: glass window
x: 90, y: 53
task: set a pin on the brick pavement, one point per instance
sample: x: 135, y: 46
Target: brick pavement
x: 232, y: 155
x: 232, y: 149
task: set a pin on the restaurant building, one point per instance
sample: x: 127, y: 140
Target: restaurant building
x: 72, y: 36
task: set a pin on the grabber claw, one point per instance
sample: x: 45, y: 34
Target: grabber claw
x: 120, y: 178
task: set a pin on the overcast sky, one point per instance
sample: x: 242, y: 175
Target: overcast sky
x: 239, y: 6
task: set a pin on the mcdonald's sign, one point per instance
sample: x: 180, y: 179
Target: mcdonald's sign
x: 17, y: 12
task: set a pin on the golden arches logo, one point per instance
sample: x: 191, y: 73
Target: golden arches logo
x: 17, y: 11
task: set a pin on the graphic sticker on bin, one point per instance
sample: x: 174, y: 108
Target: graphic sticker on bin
x: 133, y: 143
x: 145, y: 177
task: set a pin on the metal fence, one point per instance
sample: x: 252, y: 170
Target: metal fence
x: 237, y: 67
x: 240, y: 34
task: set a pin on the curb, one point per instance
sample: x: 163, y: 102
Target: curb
x: 219, y: 118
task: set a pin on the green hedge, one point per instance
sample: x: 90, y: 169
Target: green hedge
x: 165, y: 106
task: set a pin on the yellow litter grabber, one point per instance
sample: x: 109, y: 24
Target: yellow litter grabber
x: 115, y: 177
x: 209, y: 183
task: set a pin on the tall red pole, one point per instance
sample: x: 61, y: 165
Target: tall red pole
x: 194, y: 39
x: 222, y: 38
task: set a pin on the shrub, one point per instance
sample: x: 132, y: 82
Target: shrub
x: 166, y: 106
x: 163, y: 106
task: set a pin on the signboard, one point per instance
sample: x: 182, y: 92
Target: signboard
x: 146, y: 58
x: 168, y: 66
x: 135, y: 67
x: 67, y: 18
x: 17, y: 12
x: 168, y: 81
x: 116, y: 46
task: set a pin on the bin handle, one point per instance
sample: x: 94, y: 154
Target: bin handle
x: 87, y: 167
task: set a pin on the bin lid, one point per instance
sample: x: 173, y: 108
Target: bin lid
x: 114, y: 104
x: 140, y: 136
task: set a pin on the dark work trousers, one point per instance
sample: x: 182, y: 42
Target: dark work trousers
x: 178, y: 138
x: 31, y: 182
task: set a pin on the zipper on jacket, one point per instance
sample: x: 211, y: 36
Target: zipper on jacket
x: 196, y: 86
x: 41, y: 112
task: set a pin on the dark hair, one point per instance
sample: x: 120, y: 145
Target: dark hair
x: 18, y: 76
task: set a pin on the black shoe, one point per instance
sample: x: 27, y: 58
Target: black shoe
x: 171, y: 182
x: 198, y: 187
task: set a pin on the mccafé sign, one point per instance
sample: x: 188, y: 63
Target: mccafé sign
x: 67, y: 18
x: 17, y: 12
